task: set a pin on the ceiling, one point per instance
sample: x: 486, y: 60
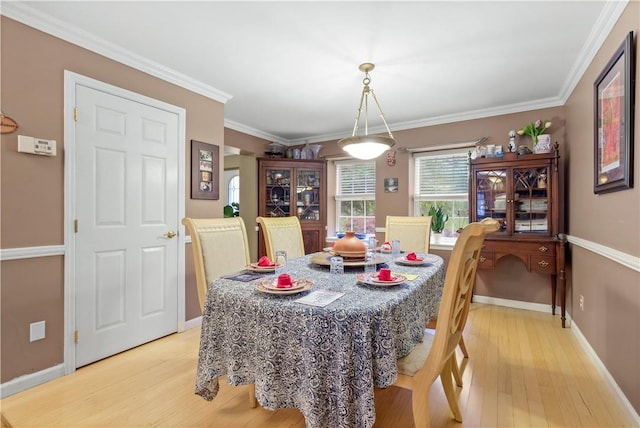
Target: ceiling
x: 288, y: 71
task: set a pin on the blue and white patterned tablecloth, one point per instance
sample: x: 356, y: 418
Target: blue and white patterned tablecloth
x: 324, y: 361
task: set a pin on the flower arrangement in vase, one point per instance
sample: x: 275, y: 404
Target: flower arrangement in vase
x: 534, y: 130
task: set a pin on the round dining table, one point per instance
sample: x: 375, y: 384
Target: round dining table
x: 326, y: 360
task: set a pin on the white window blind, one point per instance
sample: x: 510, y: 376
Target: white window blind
x: 442, y: 174
x: 356, y: 179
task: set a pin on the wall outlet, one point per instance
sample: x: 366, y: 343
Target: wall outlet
x: 36, y: 331
x: 581, y: 302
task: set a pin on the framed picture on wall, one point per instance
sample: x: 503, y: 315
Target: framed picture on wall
x: 204, y: 170
x: 390, y: 185
x: 614, y: 104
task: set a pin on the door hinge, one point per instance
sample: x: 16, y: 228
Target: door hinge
x: 75, y: 225
x: 75, y: 336
x: 75, y: 114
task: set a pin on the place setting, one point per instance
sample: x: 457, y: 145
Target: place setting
x: 284, y: 285
x: 383, y: 278
x: 263, y: 265
x: 413, y: 259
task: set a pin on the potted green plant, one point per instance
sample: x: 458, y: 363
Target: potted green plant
x: 232, y: 210
x: 438, y: 218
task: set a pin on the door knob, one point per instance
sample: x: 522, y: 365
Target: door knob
x: 170, y: 234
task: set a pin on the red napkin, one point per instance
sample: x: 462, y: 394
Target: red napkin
x: 264, y: 261
x: 384, y: 274
x: 412, y: 256
x: 284, y: 281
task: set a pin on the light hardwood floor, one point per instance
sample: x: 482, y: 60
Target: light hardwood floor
x: 524, y: 371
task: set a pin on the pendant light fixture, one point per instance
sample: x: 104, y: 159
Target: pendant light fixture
x: 367, y: 146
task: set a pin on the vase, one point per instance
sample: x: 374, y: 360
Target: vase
x: 315, y: 150
x: 543, y: 144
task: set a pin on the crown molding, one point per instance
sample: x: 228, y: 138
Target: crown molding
x: 21, y: 12
x: 608, y: 17
x: 255, y: 132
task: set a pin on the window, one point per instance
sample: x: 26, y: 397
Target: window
x: 442, y: 179
x: 355, y: 196
x: 234, y: 190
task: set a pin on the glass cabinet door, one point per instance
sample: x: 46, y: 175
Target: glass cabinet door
x: 491, y: 194
x: 531, y: 200
x: 308, y: 201
x: 278, y: 192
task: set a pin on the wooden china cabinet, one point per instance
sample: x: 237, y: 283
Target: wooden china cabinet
x: 522, y: 193
x: 292, y: 187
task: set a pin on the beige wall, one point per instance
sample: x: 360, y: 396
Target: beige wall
x: 611, y: 291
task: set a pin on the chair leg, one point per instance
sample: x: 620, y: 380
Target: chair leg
x: 463, y: 347
x: 447, y: 384
x: 456, y: 370
x: 253, y: 403
x: 420, y: 406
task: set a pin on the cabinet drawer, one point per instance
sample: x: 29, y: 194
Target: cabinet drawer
x: 545, y: 264
x: 486, y: 260
x: 538, y: 248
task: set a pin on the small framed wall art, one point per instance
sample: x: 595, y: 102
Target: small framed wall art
x: 390, y: 185
x: 204, y: 171
x: 614, y: 105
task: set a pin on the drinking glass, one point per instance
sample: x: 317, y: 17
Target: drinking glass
x: 372, y: 243
x: 281, y: 260
x: 370, y: 266
x: 336, y: 270
x: 395, y: 248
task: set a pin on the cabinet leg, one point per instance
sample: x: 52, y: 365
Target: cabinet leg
x: 563, y: 297
x: 553, y: 294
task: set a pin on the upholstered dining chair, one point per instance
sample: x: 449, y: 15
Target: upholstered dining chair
x: 220, y: 247
x: 414, y: 233
x: 435, y: 355
x: 282, y: 233
x: 458, y: 369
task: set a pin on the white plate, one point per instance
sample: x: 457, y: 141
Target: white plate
x: 423, y: 260
x: 373, y: 280
x: 256, y: 268
x: 270, y: 287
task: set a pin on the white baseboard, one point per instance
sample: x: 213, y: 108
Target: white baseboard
x: 538, y: 307
x: 193, y: 323
x: 22, y: 383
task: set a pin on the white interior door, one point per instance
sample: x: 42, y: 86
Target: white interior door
x: 126, y: 257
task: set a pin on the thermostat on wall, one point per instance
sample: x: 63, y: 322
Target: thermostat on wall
x: 36, y: 146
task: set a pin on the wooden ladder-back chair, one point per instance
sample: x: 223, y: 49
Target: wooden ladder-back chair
x: 220, y: 247
x: 282, y: 233
x: 414, y: 233
x: 458, y: 369
x: 435, y: 356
